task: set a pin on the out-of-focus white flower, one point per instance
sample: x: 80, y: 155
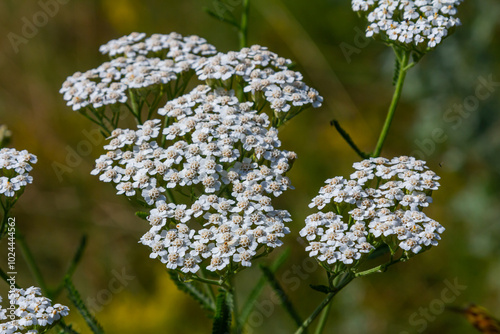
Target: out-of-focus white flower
x: 34, y: 313
x: 356, y: 218
x: 409, y: 22
x: 14, y: 170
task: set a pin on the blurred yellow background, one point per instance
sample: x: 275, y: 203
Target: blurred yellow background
x: 58, y: 208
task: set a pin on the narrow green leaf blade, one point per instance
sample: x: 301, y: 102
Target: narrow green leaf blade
x: 75, y: 298
x: 142, y: 215
x: 222, y: 319
x: 73, y: 264
x: 320, y: 288
x: 66, y: 329
x: 257, y: 290
x: 285, y: 300
x: 191, y: 290
x: 222, y: 18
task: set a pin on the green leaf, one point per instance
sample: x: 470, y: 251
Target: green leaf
x: 285, y: 300
x: 222, y: 319
x: 348, y: 139
x: 77, y: 257
x: 257, y: 290
x: 190, y: 289
x: 75, y: 298
x: 142, y: 215
x: 73, y: 264
x: 222, y: 17
x: 379, y: 251
x: 397, y: 69
x: 65, y: 329
x: 321, y: 288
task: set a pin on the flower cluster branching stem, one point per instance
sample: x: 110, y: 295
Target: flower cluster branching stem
x: 243, y: 31
x: 403, y: 65
x: 403, y: 58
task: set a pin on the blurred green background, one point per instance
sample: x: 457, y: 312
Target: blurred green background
x: 462, y: 148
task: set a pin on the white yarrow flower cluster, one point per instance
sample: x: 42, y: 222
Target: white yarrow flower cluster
x: 263, y: 75
x: 138, y: 63
x: 223, y: 157
x: 410, y: 22
x: 14, y: 171
x: 173, y: 46
x: 33, y: 313
x: 356, y: 218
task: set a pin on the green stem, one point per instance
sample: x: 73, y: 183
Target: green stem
x: 381, y: 268
x: 30, y: 261
x: 222, y: 317
x: 235, y: 315
x: 394, y: 104
x: 170, y: 196
x: 323, y: 319
x: 243, y: 31
x: 346, y: 280
x: 136, y: 111
x: 208, y: 288
x: 316, y: 312
x: 5, y: 219
x: 210, y: 281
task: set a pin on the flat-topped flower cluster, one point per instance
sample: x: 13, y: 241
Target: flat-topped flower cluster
x: 381, y: 203
x: 409, y: 22
x: 264, y: 76
x: 137, y: 63
x: 223, y: 158
x: 14, y: 171
x: 33, y: 313
x: 164, y: 65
